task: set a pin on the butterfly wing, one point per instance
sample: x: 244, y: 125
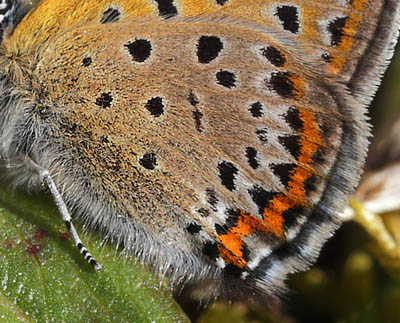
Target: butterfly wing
x: 231, y: 141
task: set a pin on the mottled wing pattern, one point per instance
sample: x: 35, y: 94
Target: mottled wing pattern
x: 228, y: 129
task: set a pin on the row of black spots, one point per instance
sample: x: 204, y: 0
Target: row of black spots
x: 289, y: 17
x: 148, y: 161
x: 336, y: 28
x: 155, y: 106
x: 256, y: 109
x: 193, y: 228
x: 274, y: 56
x: 284, y: 171
x: 292, y: 144
x: 226, y: 79
x: 292, y: 118
x: 262, y: 134
x: 227, y: 174
x: 139, y: 49
x: 104, y: 100
x: 252, y: 157
x: 261, y: 197
x: 208, y: 48
x: 110, y: 15
x: 212, y: 199
x: 281, y: 83
x: 166, y: 8
x: 197, y: 114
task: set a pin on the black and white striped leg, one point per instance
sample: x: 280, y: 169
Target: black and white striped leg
x: 46, y: 178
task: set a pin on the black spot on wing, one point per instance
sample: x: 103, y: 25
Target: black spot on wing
x: 208, y: 48
x: 291, y: 144
x: 110, y: 15
x: 261, y: 197
x: 289, y: 17
x: 155, y: 106
x: 104, y: 100
x: 227, y: 174
x: 149, y: 161
x: 166, y: 8
x: 256, y: 109
x: 274, y: 56
x: 284, y: 172
x: 226, y: 79
x: 336, y: 29
x: 140, y: 50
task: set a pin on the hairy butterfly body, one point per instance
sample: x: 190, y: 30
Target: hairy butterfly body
x: 216, y: 140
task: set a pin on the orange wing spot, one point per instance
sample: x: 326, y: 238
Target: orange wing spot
x: 298, y: 85
x: 274, y: 222
x: 231, y: 243
x: 347, y: 42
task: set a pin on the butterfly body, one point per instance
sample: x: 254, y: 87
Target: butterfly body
x: 217, y: 142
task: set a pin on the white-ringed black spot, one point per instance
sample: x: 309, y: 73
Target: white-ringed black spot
x: 252, y: 158
x: 281, y: 83
x: 110, y: 15
x: 256, y: 109
x: 274, y: 56
x: 155, y: 106
x: 292, y: 118
x: 261, y: 197
x: 227, y: 174
x: 139, y: 49
x: 336, y: 29
x: 87, y: 61
x: 193, y: 228
x: 226, y: 79
x: 289, y: 16
x: 208, y: 48
x: 166, y: 8
x: 284, y: 172
x: 221, y: 2
x: 148, y: 161
x: 291, y: 144
x: 104, y: 100
x: 262, y: 134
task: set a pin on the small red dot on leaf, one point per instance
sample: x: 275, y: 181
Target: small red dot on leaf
x: 33, y: 249
x: 65, y: 236
x: 40, y: 235
x: 8, y: 244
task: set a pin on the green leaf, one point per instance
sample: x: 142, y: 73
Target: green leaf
x: 44, y: 278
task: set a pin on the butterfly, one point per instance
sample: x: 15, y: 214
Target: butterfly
x: 216, y: 140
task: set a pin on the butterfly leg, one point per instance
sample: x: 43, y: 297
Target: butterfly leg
x: 62, y: 208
